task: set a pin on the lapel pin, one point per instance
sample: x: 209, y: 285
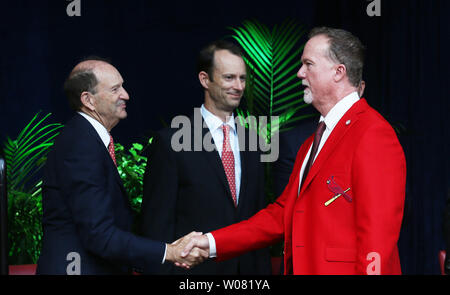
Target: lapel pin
x: 337, y: 190
x: 348, y: 122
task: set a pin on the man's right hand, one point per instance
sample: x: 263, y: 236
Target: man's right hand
x: 176, y: 250
x: 196, y: 242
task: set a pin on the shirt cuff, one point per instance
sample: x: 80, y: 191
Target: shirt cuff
x: 164, y: 257
x: 212, y: 245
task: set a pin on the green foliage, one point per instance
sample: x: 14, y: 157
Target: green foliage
x: 273, y: 88
x: 24, y: 157
x: 25, y: 229
x: 131, y: 166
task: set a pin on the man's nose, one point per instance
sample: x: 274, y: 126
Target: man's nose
x: 124, y: 95
x: 301, y: 72
x: 239, y: 85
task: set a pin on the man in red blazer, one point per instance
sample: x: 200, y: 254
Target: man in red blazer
x: 345, y: 217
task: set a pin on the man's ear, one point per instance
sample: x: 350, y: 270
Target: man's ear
x: 87, y: 99
x: 204, y: 79
x: 341, y: 72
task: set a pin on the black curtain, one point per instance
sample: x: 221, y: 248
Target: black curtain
x: 154, y: 45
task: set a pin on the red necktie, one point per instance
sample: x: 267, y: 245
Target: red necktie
x: 228, y: 161
x: 315, y: 147
x: 111, y: 150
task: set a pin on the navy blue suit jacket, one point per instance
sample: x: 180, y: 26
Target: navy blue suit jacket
x: 86, y: 209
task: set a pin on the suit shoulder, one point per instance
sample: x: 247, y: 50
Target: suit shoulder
x: 163, y: 136
x: 373, y: 119
x: 76, y: 134
x: 161, y: 142
x: 375, y: 130
x: 166, y: 132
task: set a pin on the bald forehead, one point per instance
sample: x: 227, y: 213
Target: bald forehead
x: 92, y: 65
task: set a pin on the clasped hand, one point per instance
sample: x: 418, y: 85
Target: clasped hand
x: 188, y: 251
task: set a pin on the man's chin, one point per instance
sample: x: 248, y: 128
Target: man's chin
x: 234, y: 103
x: 307, y: 96
x: 123, y: 115
x: 307, y: 100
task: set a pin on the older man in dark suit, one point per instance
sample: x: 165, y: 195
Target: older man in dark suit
x: 87, y: 217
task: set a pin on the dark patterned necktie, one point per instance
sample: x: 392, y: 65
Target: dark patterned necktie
x: 315, y: 147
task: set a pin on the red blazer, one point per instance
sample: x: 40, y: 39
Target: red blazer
x: 358, y: 237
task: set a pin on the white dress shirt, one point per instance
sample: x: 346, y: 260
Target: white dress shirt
x: 331, y: 119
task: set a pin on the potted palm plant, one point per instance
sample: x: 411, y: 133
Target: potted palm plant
x: 25, y: 156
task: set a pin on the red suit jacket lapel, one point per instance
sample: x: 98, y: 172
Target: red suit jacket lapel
x: 341, y: 128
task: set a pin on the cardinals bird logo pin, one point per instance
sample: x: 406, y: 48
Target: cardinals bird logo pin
x: 337, y: 190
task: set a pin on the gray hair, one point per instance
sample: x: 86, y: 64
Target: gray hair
x: 346, y: 49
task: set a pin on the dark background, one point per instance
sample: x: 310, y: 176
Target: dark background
x: 154, y: 45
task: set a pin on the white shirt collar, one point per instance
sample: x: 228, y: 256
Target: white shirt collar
x: 338, y: 111
x: 101, y: 130
x: 213, y: 122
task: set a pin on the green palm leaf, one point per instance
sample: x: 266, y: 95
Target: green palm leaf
x: 26, y: 154
x: 273, y: 59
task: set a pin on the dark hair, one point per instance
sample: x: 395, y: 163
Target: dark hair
x: 79, y: 81
x: 205, y: 61
x: 344, y: 48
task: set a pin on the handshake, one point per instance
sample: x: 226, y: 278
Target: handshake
x: 188, y: 251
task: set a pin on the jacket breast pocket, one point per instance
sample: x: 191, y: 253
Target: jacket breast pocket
x: 340, y: 254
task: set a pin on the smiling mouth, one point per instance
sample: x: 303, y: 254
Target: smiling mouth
x: 234, y: 94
